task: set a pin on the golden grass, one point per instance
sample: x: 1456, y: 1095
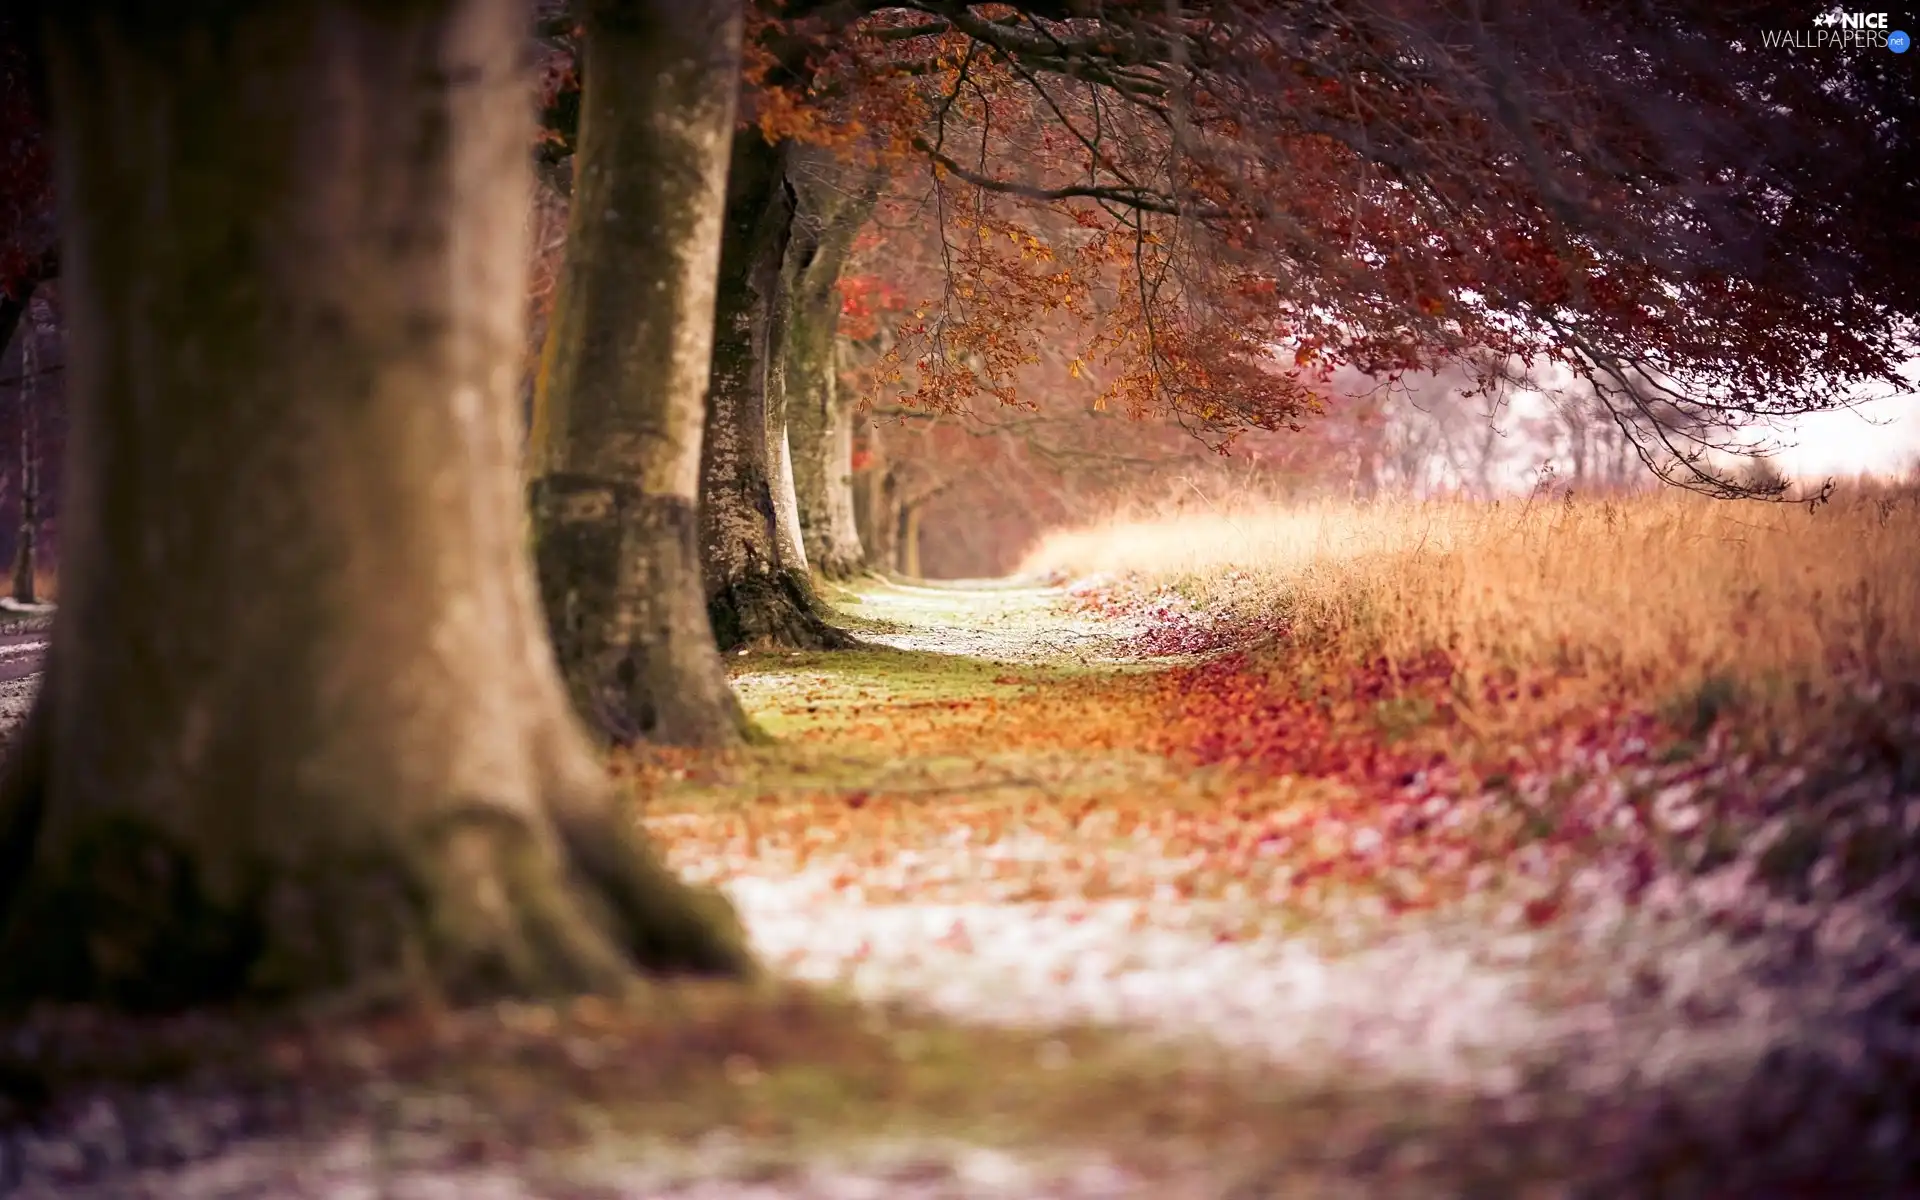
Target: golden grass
x: 1652, y: 593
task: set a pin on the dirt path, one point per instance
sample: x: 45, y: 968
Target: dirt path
x: 963, y: 820
x: 1048, y: 959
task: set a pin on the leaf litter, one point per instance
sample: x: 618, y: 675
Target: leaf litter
x: 1242, y: 936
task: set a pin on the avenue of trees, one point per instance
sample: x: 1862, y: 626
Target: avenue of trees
x: 340, y: 626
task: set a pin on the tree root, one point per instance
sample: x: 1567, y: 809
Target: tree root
x: 841, y: 567
x: 23, y: 798
x: 664, y: 923
x: 479, y: 904
x: 774, y: 611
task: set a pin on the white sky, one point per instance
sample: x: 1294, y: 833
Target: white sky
x: 1882, y: 437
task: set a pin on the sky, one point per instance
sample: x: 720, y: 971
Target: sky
x: 1882, y: 437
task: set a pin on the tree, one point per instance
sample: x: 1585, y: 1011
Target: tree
x: 300, y: 730
x: 617, y: 431
x: 1689, y: 225
x: 832, y: 201
x: 24, y: 562
x: 754, y: 592
x: 757, y: 595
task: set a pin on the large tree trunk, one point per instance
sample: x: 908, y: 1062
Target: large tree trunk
x: 832, y: 204
x: 622, y: 387
x: 300, y: 729
x: 754, y: 596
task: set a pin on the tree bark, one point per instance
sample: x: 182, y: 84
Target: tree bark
x: 908, y: 546
x: 619, y: 401
x: 300, y: 730
x: 755, y: 597
x: 877, y: 503
x: 24, y: 565
x: 833, y: 203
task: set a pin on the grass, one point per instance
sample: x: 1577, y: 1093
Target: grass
x: 1665, y: 599
x: 806, y: 693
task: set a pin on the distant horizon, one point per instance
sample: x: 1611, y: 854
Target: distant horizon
x: 1881, y: 437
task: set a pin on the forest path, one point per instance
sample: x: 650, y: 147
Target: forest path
x: 1047, y: 952
x: 965, y: 814
x: 976, y: 814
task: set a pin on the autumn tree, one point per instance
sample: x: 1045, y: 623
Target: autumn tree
x: 619, y: 400
x: 1239, y: 197
x: 300, y: 729
x: 1281, y: 191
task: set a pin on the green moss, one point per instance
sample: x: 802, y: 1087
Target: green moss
x: 795, y: 693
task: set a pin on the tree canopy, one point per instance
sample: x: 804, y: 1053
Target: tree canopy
x: 1242, y: 196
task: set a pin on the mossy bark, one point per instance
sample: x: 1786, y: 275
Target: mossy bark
x: 619, y: 400
x: 300, y: 731
x: 756, y: 598
x: 833, y: 202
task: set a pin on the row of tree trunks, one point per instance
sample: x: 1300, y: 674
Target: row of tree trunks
x: 618, y: 410
x: 757, y: 596
x: 833, y: 202
x: 301, y: 729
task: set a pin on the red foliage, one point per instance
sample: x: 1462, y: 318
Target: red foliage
x: 864, y: 299
x: 1231, y: 200
x: 1228, y: 711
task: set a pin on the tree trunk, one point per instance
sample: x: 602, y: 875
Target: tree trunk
x: 622, y: 386
x: 300, y: 730
x: 14, y: 302
x: 832, y: 205
x: 23, y: 550
x: 908, y: 563
x: 788, y: 544
x: 754, y: 596
x: 842, y: 556
x: 876, y: 502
